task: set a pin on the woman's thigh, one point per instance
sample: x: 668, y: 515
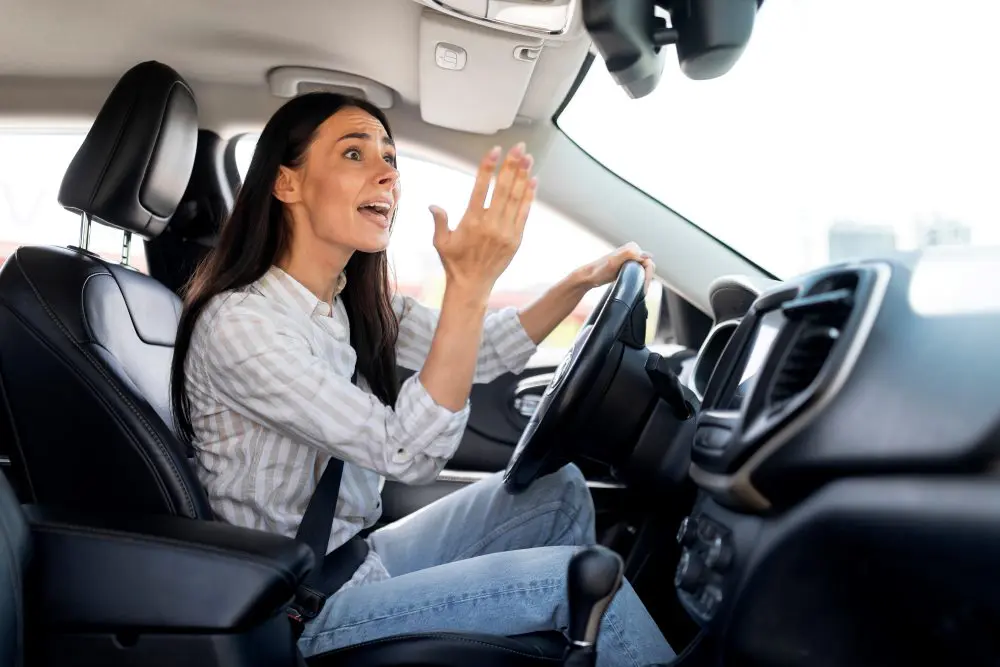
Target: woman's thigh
x: 506, y: 593
x: 483, y: 518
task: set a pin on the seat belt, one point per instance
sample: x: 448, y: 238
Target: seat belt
x: 332, y: 570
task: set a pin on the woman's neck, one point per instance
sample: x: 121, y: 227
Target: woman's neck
x: 318, y: 272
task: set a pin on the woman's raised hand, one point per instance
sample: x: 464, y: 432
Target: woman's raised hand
x: 479, y: 249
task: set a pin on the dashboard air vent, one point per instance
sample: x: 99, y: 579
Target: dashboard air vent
x: 804, y: 361
x: 822, y: 314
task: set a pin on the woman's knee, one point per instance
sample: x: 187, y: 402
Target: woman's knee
x: 573, y: 488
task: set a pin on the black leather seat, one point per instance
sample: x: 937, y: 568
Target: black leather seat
x: 85, y: 345
x: 85, y: 350
x: 131, y: 591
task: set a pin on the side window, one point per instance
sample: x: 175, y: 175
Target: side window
x: 32, y: 164
x: 553, y: 245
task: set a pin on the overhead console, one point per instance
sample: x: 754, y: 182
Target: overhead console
x: 541, y: 17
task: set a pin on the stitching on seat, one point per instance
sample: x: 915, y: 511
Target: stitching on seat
x: 450, y: 637
x: 103, y: 372
x: 42, y: 340
x: 164, y: 448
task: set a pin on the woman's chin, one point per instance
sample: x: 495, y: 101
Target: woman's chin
x: 374, y: 242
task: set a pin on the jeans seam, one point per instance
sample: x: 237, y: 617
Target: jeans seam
x: 612, y: 622
x: 516, y: 522
x: 472, y: 598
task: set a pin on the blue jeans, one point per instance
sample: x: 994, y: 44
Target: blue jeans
x: 482, y: 560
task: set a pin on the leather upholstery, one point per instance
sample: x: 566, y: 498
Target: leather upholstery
x: 85, y: 590
x: 15, y: 548
x: 135, y: 573
x: 433, y: 649
x: 86, y: 346
x: 135, y: 162
x: 173, y: 255
x: 208, y: 198
x: 85, y: 350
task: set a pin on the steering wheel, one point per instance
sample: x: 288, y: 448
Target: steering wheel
x: 619, y: 318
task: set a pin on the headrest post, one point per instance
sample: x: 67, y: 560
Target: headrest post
x: 84, y: 231
x: 126, y: 246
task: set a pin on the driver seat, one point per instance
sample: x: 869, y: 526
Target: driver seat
x: 85, y: 353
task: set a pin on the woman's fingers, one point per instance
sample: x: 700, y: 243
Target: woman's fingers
x: 484, y: 177
x: 517, y: 191
x: 524, y: 205
x: 650, y: 268
x: 512, y: 166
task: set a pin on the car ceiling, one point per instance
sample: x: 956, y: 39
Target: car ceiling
x: 234, y: 43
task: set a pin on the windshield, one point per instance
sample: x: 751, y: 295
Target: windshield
x: 848, y: 128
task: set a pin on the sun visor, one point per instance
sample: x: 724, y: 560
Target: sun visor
x: 472, y: 78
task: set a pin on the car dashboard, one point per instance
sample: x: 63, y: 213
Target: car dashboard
x: 845, y: 454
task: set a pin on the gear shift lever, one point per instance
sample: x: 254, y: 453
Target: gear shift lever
x: 595, y: 575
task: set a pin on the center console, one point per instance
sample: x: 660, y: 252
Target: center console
x: 845, y: 458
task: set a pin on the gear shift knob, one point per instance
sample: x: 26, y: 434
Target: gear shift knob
x: 595, y: 575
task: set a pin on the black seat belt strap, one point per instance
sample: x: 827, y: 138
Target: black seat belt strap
x: 332, y: 570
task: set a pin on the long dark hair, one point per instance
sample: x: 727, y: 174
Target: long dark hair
x: 256, y: 235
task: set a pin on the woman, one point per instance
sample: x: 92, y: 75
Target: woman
x: 262, y: 385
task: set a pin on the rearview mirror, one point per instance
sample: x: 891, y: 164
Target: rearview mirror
x: 710, y: 36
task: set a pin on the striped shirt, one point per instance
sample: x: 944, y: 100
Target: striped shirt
x: 268, y: 376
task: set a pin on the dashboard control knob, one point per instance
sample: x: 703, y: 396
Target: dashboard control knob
x: 720, y: 554
x: 710, y: 599
x: 687, y: 533
x: 690, y: 572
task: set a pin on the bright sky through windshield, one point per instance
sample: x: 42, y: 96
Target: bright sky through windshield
x: 874, y: 117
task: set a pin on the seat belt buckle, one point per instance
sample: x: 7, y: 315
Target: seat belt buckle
x: 307, y: 604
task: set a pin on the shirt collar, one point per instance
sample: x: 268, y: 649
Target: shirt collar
x: 278, y: 284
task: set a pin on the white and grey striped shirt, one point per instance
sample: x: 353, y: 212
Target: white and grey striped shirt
x: 269, y: 379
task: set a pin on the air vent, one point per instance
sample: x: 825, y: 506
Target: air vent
x: 821, y: 314
x: 804, y: 361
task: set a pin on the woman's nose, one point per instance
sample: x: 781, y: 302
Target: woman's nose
x: 388, y: 176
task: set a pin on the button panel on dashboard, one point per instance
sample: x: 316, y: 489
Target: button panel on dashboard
x: 706, y: 556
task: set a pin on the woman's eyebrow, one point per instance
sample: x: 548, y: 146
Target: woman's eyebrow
x: 364, y: 136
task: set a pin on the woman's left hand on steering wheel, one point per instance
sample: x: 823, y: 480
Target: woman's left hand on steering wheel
x: 605, y: 270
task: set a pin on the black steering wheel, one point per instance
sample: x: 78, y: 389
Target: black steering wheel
x: 620, y: 318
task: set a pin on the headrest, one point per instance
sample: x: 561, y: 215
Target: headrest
x: 135, y: 163
x: 209, y: 196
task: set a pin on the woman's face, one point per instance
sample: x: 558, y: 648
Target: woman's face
x: 346, y: 190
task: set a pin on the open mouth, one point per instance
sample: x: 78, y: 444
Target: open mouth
x: 377, y: 212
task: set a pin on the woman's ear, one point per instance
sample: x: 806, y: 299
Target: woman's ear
x: 286, y: 186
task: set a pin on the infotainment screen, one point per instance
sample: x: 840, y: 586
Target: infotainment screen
x: 763, y: 339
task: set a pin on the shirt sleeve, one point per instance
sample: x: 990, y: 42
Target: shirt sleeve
x: 264, y: 369
x: 505, y: 348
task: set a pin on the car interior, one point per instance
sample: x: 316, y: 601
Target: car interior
x: 790, y: 437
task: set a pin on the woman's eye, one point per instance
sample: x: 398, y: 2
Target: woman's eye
x: 353, y: 154
x: 391, y: 159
